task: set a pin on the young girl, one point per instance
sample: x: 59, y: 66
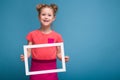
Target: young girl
x: 44, y: 58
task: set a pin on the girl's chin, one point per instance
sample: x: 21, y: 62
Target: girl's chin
x: 46, y: 25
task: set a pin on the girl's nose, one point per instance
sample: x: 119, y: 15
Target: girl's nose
x: 46, y: 17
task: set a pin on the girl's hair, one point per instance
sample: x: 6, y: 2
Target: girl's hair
x: 54, y: 7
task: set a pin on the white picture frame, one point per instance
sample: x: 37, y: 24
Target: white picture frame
x: 63, y: 69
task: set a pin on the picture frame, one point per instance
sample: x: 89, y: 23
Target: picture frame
x: 25, y: 47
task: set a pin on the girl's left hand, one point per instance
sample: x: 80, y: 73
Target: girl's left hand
x: 66, y: 58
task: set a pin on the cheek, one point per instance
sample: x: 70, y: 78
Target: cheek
x: 52, y: 18
x: 41, y: 17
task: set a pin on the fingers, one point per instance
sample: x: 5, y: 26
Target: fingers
x: 22, y: 57
x: 66, y: 58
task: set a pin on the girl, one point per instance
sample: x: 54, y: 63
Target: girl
x: 44, y: 58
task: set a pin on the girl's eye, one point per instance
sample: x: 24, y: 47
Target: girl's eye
x: 43, y: 14
x: 49, y: 15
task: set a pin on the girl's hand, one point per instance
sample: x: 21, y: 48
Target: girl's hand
x: 22, y: 57
x: 66, y: 58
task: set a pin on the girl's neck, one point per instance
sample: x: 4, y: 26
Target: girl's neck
x: 45, y: 30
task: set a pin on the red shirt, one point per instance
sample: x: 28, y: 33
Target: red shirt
x: 45, y: 53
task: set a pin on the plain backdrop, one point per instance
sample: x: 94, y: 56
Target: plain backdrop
x: 90, y: 29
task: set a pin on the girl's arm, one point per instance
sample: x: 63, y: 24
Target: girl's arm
x: 59, y: 55
x: 29, y: 49
x: 28, y: 52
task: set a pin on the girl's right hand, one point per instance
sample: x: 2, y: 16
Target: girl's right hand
x: 22, y: 57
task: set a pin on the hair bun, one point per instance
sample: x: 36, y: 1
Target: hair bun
x: 55, y: 7
x: 52, y: 6
x: 39, y: 6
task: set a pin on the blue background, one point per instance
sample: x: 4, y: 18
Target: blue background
x: 90, y: 29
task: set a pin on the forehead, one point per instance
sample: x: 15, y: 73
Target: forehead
x: 47, y: 10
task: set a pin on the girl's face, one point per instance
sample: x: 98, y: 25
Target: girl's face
x: 46, y: 16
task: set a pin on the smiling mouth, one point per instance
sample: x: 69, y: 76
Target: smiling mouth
x: 46, y: 20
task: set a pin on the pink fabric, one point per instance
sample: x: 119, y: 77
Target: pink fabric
x: 44, y: 58
x: 46, y: 53
x: 37, y: 65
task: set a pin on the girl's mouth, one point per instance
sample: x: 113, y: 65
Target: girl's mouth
x: 46, y: 20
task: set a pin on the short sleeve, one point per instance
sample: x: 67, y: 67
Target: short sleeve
x: 59, y: 38
x: 29, y: 37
